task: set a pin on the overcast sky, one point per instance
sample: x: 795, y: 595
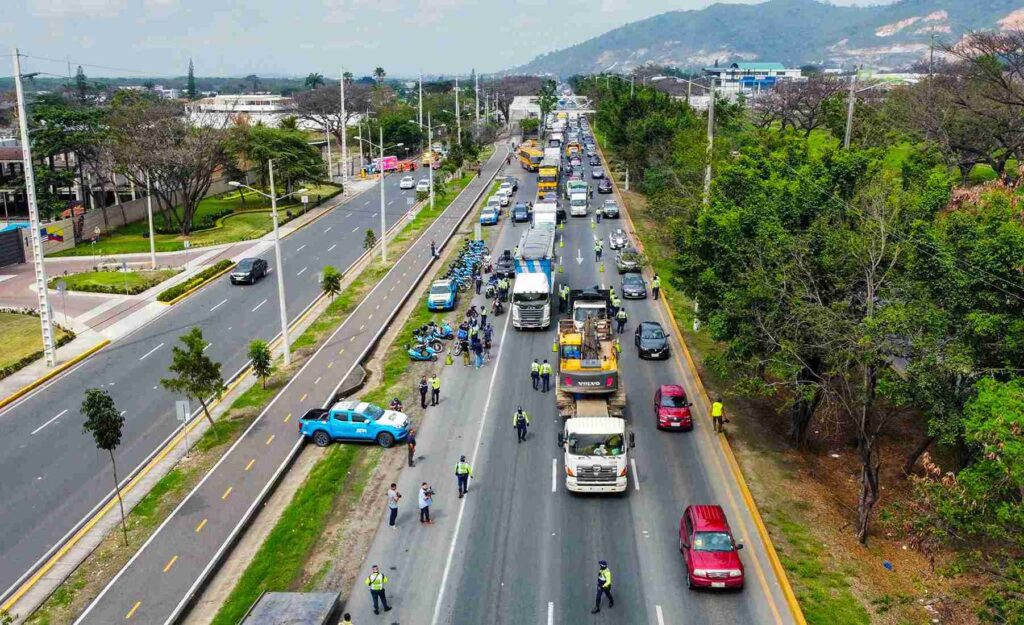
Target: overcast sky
x: 295, y: 37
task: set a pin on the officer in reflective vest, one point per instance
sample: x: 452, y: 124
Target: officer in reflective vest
x: 462, y: 474
x: 620, y: 319
x: 545, y: 376
x: 716, y: 414
x: 604, y: 586
x: 563, y: 298
x: 656, y: 286
x: 535, y: 374
x: 598, y: 246
x: 435, y: 389
x: 521, y: 421
x: 376, y: 582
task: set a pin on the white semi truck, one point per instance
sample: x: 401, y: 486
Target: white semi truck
x: 534, y: 283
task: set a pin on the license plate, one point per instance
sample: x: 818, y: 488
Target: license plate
x: 676, y: 424
x: 718, y: 584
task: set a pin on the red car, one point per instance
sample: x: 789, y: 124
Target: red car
x: 671, y: 410
x: 709, y: 550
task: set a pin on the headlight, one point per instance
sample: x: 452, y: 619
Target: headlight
x: 735, y: 573
x: 700, y: 573
x: 568, y: 471
x: 622, y: 473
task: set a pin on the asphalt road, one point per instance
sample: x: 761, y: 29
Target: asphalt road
x: 53, y: 474
x: 520, y: 548
x: 159, y: 581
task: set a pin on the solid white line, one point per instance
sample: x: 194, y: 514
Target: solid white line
x: 554, y: 474
x: 301, y: 247
x: 301, y: 271
x: 258, y: 306
x: 551, y: 613
x: 661, y: 617
x: 151, y: 351
x: 462, y: 505
x: 218, y: 305
x: 375, y: 214
x: 636, y: 476
x: 207, y: 346
x: 327, y: 229
x: 332, y: 247
x: 59, y: 415
x: 348, y: 215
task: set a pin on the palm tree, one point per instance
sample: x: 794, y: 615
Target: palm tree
x: 255, y: 80
x: 379, y: 75
x: 347, y: 77
x: 314, y: 80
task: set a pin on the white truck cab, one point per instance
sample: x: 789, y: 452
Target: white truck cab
x: 578, y: 204
x: 595, y: 451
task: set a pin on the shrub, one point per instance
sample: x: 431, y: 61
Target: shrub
x: 196, y: 280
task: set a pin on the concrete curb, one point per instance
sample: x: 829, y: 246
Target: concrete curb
x: 61, y: 368
x: 762, y: 530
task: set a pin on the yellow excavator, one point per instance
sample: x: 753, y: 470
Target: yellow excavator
x: 588, y: 382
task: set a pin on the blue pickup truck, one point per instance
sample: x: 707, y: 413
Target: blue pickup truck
x: 442, y: 295
x: 354, y: 421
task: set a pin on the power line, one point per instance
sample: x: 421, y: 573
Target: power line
x: 65, y: 61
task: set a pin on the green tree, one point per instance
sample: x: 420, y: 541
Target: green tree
x: 347, y: 77
x: 262, y: 361
x: 105, y: 423
x: 190, y: 85
x: 314, y: 80
x: 529, y: 125
x: 379, y: 74
x: 370, y: 239
x: 57, y: 128
x: 196, y: 376
x: 331, y: 283
x: 295, y: 160
x: 547, y: 98
x: 81, y: 86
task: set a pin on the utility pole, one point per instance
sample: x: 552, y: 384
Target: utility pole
x: 711, y: 145
x: 344, y: 142
x: 421, y: 99
x: 279, y: 269
x: 46, y: 323
x: 149, y: 214
x: 476, y: 93
x: 383, y: 237
x: 458, y: 116
x: 430, y: 150
x: 330, y: 165
x: 849, y: 110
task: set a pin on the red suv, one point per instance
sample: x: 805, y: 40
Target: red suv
x: 709, y: 550
x: 671, y: 410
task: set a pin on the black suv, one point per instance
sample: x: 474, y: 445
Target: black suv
x: 248, y: 270
x: 651, y: 340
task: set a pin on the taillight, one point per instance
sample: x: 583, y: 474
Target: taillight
x: 568, y: 381
x: 609, y: 381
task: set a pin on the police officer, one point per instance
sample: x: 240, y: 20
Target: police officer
x: 615, y: 303
x: 716, y: 414
x: 435, y: 389
x: 656, y: 286
x: 545, y: 375
x: 604, y: 586
x: 424, y: 386
x: 520, y: 421
x: 598, y: 246
x: 462, y: 474
x: 535, y: 374
x: 620, y: 319
x: 375, y: 581
x: 563, y: 298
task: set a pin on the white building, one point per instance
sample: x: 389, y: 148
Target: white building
x: 224, y: 110
x: 750, y: 78
x: 523, y: 107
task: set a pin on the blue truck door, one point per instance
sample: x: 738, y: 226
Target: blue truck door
x: 359, y: 428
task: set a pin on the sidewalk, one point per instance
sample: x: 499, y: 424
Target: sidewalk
x: 96, y: 318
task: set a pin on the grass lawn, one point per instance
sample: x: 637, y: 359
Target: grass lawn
x: 237, y: 227
x: 22, y: 337
x: 113, y: 281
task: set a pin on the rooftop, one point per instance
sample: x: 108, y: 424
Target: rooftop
x: 749, y: 67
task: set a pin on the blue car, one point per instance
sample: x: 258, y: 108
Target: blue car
x: 442, y: 295
x: 354, y: 421
x: 489, y: 216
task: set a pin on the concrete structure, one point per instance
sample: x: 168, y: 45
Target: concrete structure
x: 749, y: 78
x: 223, y: 110
x: 305, y: 608
x: 523, y: 107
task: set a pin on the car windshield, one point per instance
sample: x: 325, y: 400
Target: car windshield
x: 651, y: 332
x: 633, y: 280
x: 440, y: 289
x: 596, y: 444
x: 373, y: 412
x: 245, y: 265
x: 673, y: 401
x: 712, y: 541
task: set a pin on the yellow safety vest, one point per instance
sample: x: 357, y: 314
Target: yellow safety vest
x: 376, y: 581
x: 535, y: 367
x: 605, y: 575
x: 621, y: 315
x: 515, y: 418
x: 463, y: 468
x: 545, y: 369
x: 716, y: 409
x: 656, y: 283
x: 435, y: 382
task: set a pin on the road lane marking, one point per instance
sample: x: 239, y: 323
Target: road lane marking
x: 374, y: 215
x: 170, y: 563
x: 316, y: 381
x: 554, y: 474
x: 661, y: 617
x: 131, y: 612
x: 356, y: 229
x: 300, y: 248
x: 636, y: 476
x: 551, y: 613
x: 224, y: 301
x: 151, y: 351
x: 353, y: 339
x: 288, y: 417
x: 348, y: 215
x: 303, y: 398
x: 271, y: 439
x: 124, y: 412
x: 52, y: 419
x: 361, y: 327
x: 207, y: 347
x: 301, y: 271
x: 370, y: 317
x: 330, y: 364
x: 476, y: 448
x: 332, y: 247
x: 251, y: 462
x: 226, y: 493
x: 258, y: 306
x: 341, y: 351
x: 201, y: 525
x: 327, y: 229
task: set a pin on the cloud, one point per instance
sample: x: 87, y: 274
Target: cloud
x: 76, y: 8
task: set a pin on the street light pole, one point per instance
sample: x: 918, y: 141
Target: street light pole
x: 344, y: 143
x: 430, y: 150
x: 849, y: 111
x: 476, y: 94
x: 280, y: 268
x: 458, y: 117
x: 149, y: 214
x: 421, y: 100
x: 46, y: 323
x: 383, y: 237
x: 711, y: 144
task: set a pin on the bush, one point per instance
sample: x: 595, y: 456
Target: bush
x: 208, y: 221
x: 31, y: 358
x: 196, y: 280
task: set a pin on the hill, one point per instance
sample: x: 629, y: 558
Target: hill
x: 794, y: 32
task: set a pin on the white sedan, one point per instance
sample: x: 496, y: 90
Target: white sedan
x: 407, y: 182
x: 423, y: 185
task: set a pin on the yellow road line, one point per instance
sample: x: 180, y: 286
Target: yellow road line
x: 131, y: 612
x: 49, y: 375
x: 288, y: 417
x: 251, y: 462
x: 271, y: 439
x: 330, y: 364
x: 303, y: 398
x: 201, y: 525
x: 226, y: 493
x: 170, y: 563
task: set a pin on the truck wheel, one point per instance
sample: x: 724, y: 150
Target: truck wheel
x: 385, y: 439
x: 321, y: 438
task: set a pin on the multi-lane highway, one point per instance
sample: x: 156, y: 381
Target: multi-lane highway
x: 53, y: 475
x: 520, y: 548
x: 161, y: 579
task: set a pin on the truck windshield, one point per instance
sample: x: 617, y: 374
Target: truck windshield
x: 579, y: 202
x: 580, y: 314
x: 596, y: 444
x: 530, y: 298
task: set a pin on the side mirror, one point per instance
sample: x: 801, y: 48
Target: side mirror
x: 739, y: 546
x: 561, y: 439
x: 632, y: 440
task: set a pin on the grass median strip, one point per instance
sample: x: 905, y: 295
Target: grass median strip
x: 176, y: 291
x: 113, y: 282
x: 23, y: 342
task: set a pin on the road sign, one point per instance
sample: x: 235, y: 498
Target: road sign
x: 124, y: 265
x: 319, y: 277
x: 187, y: 244
x: 305, y: 199
x: 181, y: 408
x: 62, y: 286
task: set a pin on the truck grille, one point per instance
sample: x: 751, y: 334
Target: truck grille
x: 595, y: 474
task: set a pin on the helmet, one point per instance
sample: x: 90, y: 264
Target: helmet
x: 462, y: 458
x: 602, y: 564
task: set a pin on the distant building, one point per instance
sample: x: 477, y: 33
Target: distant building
x: 750, y: 78
x: 167, y: 93
x: 224, y: 110
x: 523, y: 107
